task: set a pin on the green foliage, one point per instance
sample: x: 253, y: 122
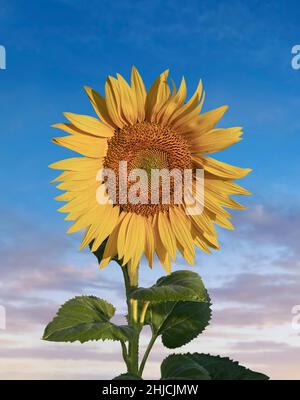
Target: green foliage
x: 85, y: 318
x: 205, y: 366
x: 127, y: 377
x: 178, y: 322
x: 179, y: 310
x: 180, y: 285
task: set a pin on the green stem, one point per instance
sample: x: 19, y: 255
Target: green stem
x: 131, y: 282
x: 133, y: 352
x: 146, y: 355
x: 124, y: 353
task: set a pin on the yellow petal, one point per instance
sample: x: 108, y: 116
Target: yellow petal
x: 173, y: 104
x: 149, y: 242
x: 233, y: 188
x: 83, y: 202
x: 220, y: 168
x: 128, y: 101
x: 134, y: 248
x: 86, y: 145
x: 73, y: 216
x: 224, y: 222
x: 113, y: 101
x: 203, y: 223
x: 138, y: 87
x: 187, y: 108
x: 224, y: 187
x: 199, y: 240
x: 87, y: 218
x: 89, y: 124
x: 166, y: 234
x: 67, y: 196
x: 200, y: 243
x: 220, y: 220
x: 76, y: 176
x: 207, y: 121
x: 60, y: 178
x: 180, y: 125
x: 213, y: 205
x: 111, y: 249
x: 215, y: 140
x: 76, y: 164
x: 89, y: 235
x: 69, y: 128
x: 157, y: 96
x: 213, y: 195
x: 78, y: 186
x: 180, y: 225
x: 160, y: 249
x: 212, y: 240
x: 99, y: 105
x: 122, y: 235
x: 106, y: 224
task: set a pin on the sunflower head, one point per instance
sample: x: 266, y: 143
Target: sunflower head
x: 153, y: 132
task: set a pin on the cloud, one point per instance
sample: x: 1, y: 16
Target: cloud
x: 256, y: 299
x: 260, y: 345
x: 278, y: 225
x: 282, y: 362
x: 26, y: 243
x: 38, y: 274
x: 34, y: 257
x: 63, y: 351
x: 267, y: 288
x: 244, y: 300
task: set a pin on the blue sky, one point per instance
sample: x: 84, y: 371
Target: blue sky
x: 242, y: 52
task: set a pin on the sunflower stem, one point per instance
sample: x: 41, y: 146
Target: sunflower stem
x: 124, y: 353
x: 131, y: 282
x: 146, y: 355
x: 144, y: 311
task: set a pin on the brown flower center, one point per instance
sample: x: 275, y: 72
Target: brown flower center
x: 147, y: 146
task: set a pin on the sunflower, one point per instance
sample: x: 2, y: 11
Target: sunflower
x: 149, y: 130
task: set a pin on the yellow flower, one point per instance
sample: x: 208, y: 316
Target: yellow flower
x: 153, y: 130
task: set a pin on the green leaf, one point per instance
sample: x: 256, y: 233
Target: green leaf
x: 223, y: 368
x: 218, y: 368
x: 85, y: 318
x: 182, y: 367
x: 100, y: 251
x: 180, y: 285
x: 178, y: 322
x: 127, y: 377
